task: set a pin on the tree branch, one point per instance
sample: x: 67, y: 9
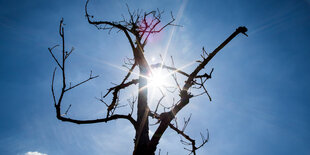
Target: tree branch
x: 113, y: 117
x: 57, y: 104
x: 90, y: 78
x: 184, y: 94
x: 158, y: 65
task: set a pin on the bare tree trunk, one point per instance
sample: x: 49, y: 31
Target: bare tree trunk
x: 142, y: 133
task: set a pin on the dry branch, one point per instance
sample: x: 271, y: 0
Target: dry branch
x: 64, y: 89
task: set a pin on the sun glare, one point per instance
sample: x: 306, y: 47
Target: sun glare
x: 157, y: 78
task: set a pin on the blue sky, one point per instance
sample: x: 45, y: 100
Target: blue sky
x: 260, y: 85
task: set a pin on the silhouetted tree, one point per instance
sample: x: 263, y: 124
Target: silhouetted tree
x: 137, y: 30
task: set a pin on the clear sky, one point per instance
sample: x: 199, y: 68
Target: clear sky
x: 260, y: 85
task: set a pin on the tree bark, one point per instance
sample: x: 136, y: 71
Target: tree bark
x: 142, y: 133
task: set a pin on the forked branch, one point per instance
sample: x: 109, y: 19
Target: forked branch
x: 191, y: 142
x: 184, y: 94
x: 64, y: 89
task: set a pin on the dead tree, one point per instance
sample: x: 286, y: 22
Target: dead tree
x: 137, y: 30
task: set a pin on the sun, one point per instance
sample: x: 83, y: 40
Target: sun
x: 158, y: 78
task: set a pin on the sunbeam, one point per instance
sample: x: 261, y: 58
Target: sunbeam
x: 179, y: 15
